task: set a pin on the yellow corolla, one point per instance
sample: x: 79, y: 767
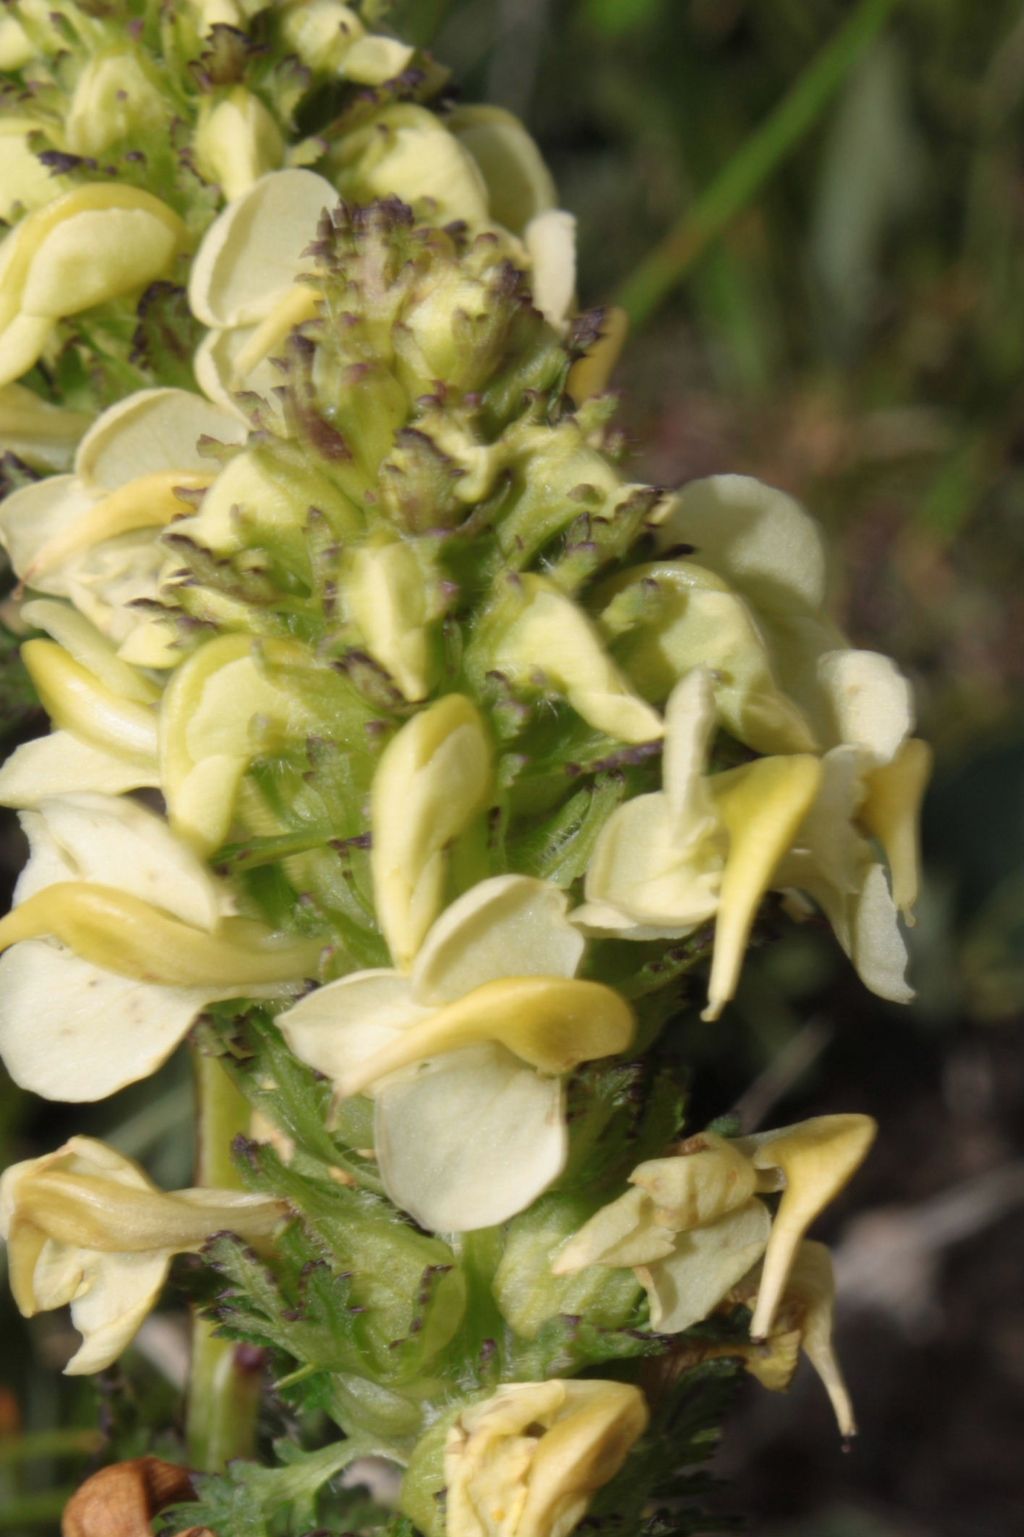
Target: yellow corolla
x: 525, y: 1462
x: 92, y: 537
x: 94, y: 243
x: 705, y: 846
x: 86, y: 1226
x: 466, y: 1055
x: 694, y: 1222
x: 118, y: 939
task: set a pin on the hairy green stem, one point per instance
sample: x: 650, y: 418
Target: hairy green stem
x: 664, y: 267
x: 225, y: 1379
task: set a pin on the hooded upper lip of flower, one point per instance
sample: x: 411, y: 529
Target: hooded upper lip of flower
x: 524, y: 1462
x: 91, y: 536
x: 693, y: 1224
x: 93, y: 243
x: 85, y: 1225
x: 702, y: 847
x: 466, y: 1054
x: 119, y: 938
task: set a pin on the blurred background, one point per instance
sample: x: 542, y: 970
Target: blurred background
x: 813, y: 210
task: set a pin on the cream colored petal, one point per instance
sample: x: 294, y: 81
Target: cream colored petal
x: 813, y: 1283
x: 61, y: 763
x: 551, y: 1023
x: 91, y: 650
x: 519, y: 184
x: 872, y: 703
x: 553, y: 639
x: 73, y: 1032
x: 22, y: 343
x: 373, y: 60
x: 469, y: 1140
x: 654, y: 871
x: 761, y: 804
x: 95, y: 255
x: 757, y: 537
x: 407, y: 152
x: 876, y: 946
x: 891, y: 812
x: 704, y: 1266
x: 119, y: 843
x: 828, y: 834
x: 581, y: 1453
x: 152, y: 431
x: 337, y: 1027
x: 391, y: 599
x: 509, y: 926
x: 689, y: 727
x: 252, y: 253
x: 32, y: 516
x: 706, y: 1177
x: 76, y: 700
x: 237, y: 141
x: 215, y: 365
x: 626, y: 1232
x: 432, y: 780
x: 817, y: 1159
x: 121, y: 1289
x: 550, y: 240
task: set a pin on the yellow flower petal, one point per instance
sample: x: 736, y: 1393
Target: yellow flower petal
x: 891, y: 811
x: 761, y: 805
x: 252, y: 254
x: 817, y: 1158
x: 433, y: 779
x: 551, y: 1023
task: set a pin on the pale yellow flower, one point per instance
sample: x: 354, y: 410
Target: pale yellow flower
x: 331, y: 39
x: 237, y: 141
x: 114, y: 96
x: 465, y: 1056
x: 705, y: 846
x: 526, y: 1461
x: 433, y: 779
x: 549, y: 642
x: 85, y: 1226
x: 118, y: 939
x: 803, y: 1322
x: 94, y: 243
x: 92, y: 537
x: 694, y: 1222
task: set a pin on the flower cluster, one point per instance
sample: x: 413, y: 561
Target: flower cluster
x: 442, y: 725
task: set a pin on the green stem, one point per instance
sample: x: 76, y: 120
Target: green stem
x: 645, y: 290
x: 225, y: 1380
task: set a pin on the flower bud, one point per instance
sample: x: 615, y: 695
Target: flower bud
x: 393, y: 601
x: 113, y: 99
x: 525, y: 1462
x: 330, y: 38
x: 237, y: 141
x: 434, y: 777
x: 406, y: 152
x: 549, y: 643
x: 25, y: 182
